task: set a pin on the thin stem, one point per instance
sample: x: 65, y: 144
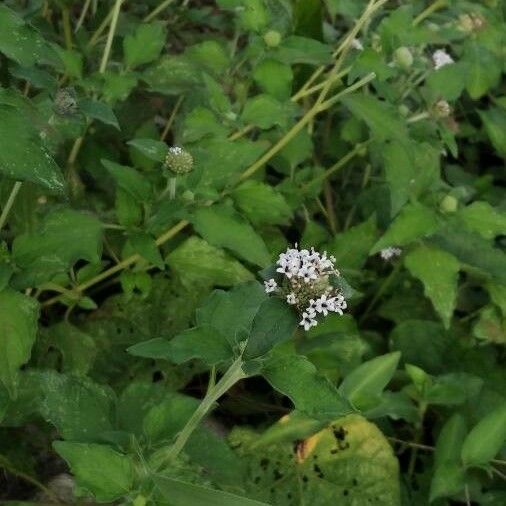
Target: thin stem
x: 110, y: 36
x: 157, y: 11
x: 355, y: 86
x: 230, y: 378
x: 100, y: 30
x: 171, y: 118
x: 9, y: 203
x: 309, y: 91
x: 84, y: 11
x: 418, y: 117
x: 438, y: 4
x: 67, y: 30
x: 172, y: 188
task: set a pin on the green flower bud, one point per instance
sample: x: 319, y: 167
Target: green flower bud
x: 178, y: 160
x: 188, y: 196
x: 272, y: 38
x: 403, y: 57
x: 403, y: 110
x: 449, y: 204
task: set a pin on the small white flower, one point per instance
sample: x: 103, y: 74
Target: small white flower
x: 308, y: 321
x: 291, y: 299
x: 356, y: 44
x: 324, y: 305
x: 440, y: 58
x: 390, y: 252
x: 270, y: 285
x: 175, y: 150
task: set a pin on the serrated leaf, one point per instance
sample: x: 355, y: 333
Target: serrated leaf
x: 265, y: 112
x: 438, y: 271
x: 310, y: 392
x: 197, y: 263
x: 145, y: 45
x: 18, y: 329
x: 99, y: 111
x: 296, y: 49
x: 100, y: 470
x: 413, y: 222
x: 484, y: 219
x: 261, y: 203
x: 129, y: 180
x: 153, y: 149
x: 223, y: 227
x: 363, y: 386
x: 483, y: 69
x: 64, y: 237
x: 274, y: 78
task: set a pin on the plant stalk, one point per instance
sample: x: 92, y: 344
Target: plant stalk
x: 10, y: 201
x: 110, y: 36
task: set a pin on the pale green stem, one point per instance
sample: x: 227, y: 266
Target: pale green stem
x: 418, y: 117
x: 84, y: 11
x: 110, y: 36
x: 9, y: 203
x: 438, y: 4
x: 230, y: 378
x: 157, y: 11
x: 172, y: 188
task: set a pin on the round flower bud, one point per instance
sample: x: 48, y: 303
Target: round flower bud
x: 465, y: 23
x: 188, y: 196
x: 449, y: 204
x: 441, y: 109
x: 65, y: 102
x: 403, y: 110
x: 272, y: 38
x: 403, y: 57
x: 178, y: 160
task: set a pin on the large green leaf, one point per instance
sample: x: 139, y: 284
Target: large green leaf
x: 197, y: 263
x: 274, y: 323
x: 145, y: 45
x: 222, y: 227
x: 413, y: 222
x: 310, y: 392
x: 23, y: 156
x: 494, y: 120
x: 274, y: 78
x: 363, y: 386
x: 485, y: 439
x: 438, y: 271
x: 18, y: 329
x: 296, y: 49
x: 65, y: 237
x: 181, y: 493
x: 98, y: 469
x: 350, y: 463
x: 484, y: 219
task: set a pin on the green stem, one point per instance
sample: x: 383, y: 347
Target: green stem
x: 230, y: 378
x: 84, y: 11
x: 67, y: 30
x: 9, y: 203
x: 157, y: 11
x: 112, y: 30
x: 438, y: 4
x: 172, y: 188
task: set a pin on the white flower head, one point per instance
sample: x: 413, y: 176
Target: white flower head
x: 270, y: 285
x: 356, y: 44
x: 441, y: 58
x: 305, y: 281
x: 390, y: 252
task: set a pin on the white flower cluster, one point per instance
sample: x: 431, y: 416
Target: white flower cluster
x: 175, y: 150
x: 306, y: 284
x: 390, y: 252
x: 440, y: 58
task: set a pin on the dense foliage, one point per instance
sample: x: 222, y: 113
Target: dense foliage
x: 157, y: 158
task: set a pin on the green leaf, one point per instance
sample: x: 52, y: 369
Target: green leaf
x: 80, y: 409
x: 265, y: 112
x: 98, y: 469
x: 449, y: 81
x: 64, y: 237
x: 380, y: 117
x: 18, y: 329
x: 274, y: 323
x: 20, y: 42
x: 274, y: 78
x: 296, y: 49
x: 351, y: 247
x: 22, y: 155
x: 129, y: 180
x: 448, y: 480
x: 145, y: 45
x: 485, y: 439
x: 494, y: 120
x: 181, y: 493
x: 222, y: 227
x: 349, y: 463
x: 198, y: 264
x: 472, y: 249
x: 203, y: 343
x: 145, y: 246
x: 202, y: 122
x: 413, y: 222
x: 231, y: 313
x: 99, y: 111
x: 252, y: 14
x: 72, y: 61
x: 298, y: 379
x: 157, y: 348
x: 261, y: 203
x: 117, y: 87
x: 483, y: 69
x: 484, y: 219
x: 155, y: 150
x: 449, y: 441
x: 210, y: 55
x: 363, y: 386
x: 411, y: 169
x: 438, y: 271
